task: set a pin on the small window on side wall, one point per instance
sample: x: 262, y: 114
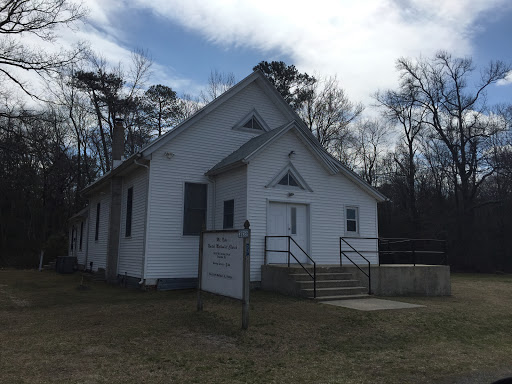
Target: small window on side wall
x: 81, y: 234
x: 97, y: 229
x: 229, y: 214
x: 129, y: 209
x: 352, y: 220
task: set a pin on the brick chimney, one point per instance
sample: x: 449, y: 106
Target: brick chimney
x: 117, y: 143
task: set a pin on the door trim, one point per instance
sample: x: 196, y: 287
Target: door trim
x: 308, y: 213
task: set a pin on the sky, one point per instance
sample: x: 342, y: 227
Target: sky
x: 356, y: 40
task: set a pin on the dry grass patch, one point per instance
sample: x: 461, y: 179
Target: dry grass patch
x: 115, y: 335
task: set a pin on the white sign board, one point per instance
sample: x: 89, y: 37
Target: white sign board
x: 222, y: 265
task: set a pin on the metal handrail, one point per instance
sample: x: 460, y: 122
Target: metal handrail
x: 313, y: 276
x: 387, y: 241
x: 413, y: 247
x: 369, y: 274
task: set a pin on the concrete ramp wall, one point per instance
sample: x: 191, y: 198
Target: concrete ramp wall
x: 407, y: 280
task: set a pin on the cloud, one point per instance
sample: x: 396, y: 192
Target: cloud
x: 507, y: 80
x: 357, y: 40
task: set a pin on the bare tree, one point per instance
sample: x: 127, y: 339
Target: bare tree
x: 218, y: 83
x: 370, y: 148
x: 113, y: 93
x: 457, y: 113
x: 38, y: 18
x: 75, y: 106
x: 401, y: 108
x: 187, y: 106
x: 328, y: 113
x: 460, y: 131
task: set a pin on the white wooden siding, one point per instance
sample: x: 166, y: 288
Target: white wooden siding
x: 131, y: 248
x: 97, y: 252
x: 331, y: 193
x: 231, y: 186
x: 170, y: 254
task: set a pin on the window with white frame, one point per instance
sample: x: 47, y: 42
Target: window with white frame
x: 352, y: 220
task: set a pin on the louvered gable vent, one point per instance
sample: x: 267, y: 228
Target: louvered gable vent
x: 253, y: 124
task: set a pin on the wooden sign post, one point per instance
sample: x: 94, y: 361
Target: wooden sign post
x: 224, y: 266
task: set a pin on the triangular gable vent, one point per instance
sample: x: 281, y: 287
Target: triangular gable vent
x: 289, y: 178
x: 253, y: 123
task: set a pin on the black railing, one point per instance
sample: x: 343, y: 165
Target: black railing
x: 413, y: 250
x: 343, y: 253
x: 290, y: 253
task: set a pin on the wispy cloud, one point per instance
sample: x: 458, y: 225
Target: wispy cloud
x: 506, y: 81
x: 357, y: 40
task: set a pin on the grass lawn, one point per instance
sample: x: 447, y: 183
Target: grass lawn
x: 50, y: 331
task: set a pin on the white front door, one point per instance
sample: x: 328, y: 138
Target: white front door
x: 286, y: 219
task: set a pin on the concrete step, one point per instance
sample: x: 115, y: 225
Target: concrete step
x: 320, y: 276
x: 319, y: 269
x: 329, y: 283
x: 342, y: 297
x: 336, y: 291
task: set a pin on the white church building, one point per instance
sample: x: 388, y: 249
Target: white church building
x: 244, y: 156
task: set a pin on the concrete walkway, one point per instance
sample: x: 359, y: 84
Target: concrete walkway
x: 371, y: 304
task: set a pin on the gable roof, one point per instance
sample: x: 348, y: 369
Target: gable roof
x: 246, y: 150
x: 243, y: 154
x: 151, y: 147
x: 333, y: 165
x: 268, y: 88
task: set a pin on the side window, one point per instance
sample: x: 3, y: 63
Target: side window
x: 229, y: 214
x: 194, y: 215
x: 352, y: 219
x: 129, y: 205
x: 72, y: 246
x: 81, y: 234
x: 97, y: 230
